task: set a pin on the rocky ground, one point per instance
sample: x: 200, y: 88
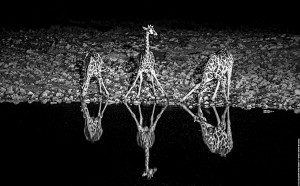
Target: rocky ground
x: 46, y: 64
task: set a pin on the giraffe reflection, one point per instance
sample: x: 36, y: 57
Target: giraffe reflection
x: 217, y: 138
x: 145, y: 136
x: 93, y: 125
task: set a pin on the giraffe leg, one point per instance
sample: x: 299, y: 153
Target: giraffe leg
x: 107, y: 93
x: 158, y: 83
x: 203, y: 83
x: 99, y: 81
x: 215, y: 93
x: 141, y: 115
x: 86, y: 86
x: 200, y: 95
x: 140, y: 87
x: 195, y: 88
x: 153, y: 85
x: 152, y: 115
x: 224, y: 90
x: 228, y: 82
x: 134, y: 83
x: 228, y: 123
x: 217, y: 115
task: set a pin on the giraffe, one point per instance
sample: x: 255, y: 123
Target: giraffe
x: 145, y: 136
x: 146, y: 64
x: 93, y: 68
x: 219, y: 66
x: 217, y: 138
x: 93, y: 125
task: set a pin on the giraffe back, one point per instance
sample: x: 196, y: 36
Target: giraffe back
x: 218, y: 65
x: 216, y: 138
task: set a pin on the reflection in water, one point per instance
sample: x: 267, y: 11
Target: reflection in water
x: 145, y: 135
x: 93, y: 125
x: 217, y: 138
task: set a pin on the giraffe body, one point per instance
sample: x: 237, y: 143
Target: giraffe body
x: 218, y: 67
x: 93, y: 125
x: 147, y: 61
x: 218, y: 138
x: 94, y: 69
x: 146, y: 65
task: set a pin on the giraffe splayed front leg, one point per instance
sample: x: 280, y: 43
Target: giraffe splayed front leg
x: 219, y: 67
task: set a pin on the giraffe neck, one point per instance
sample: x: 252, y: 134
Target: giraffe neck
x: 147, y: 157
x: 147, y: 43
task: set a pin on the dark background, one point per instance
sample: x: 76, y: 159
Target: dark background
x: 265, y: 13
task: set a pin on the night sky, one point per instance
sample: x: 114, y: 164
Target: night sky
x: 228, y: 12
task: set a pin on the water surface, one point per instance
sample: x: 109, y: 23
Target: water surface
x: 47, y: 142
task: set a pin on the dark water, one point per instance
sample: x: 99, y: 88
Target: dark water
x: 46, y: 144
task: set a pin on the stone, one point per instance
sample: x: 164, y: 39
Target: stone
x: 2, y: 89
x: 59, y: 94
x: 9, y: 90
x: 164, y: 72
x: 45, y: 93
x: 22, y: 91
x: 297, y: 92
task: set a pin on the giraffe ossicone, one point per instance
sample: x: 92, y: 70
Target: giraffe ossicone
x: 219, y: 67
x: 93, y: 68
x: 146, y: 65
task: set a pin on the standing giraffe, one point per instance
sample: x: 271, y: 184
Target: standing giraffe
x: 93, y: 68
x: 217, y: 138
x: 93, y: 125
x: 219, y: 66
x: 146, y: 64
x: 145, y: 136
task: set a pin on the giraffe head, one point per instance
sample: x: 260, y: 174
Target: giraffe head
x: 150, y: 30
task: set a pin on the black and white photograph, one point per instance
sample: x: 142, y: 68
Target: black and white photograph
x: 147, y: 92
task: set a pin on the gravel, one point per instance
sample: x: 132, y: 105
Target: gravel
x: 46, y: 65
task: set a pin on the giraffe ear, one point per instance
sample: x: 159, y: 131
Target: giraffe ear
x: 144, y: 28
